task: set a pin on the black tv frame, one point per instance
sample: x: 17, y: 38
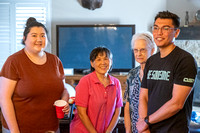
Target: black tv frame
x: 85, y: 71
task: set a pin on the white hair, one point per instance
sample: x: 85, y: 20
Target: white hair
x: 147, y: 36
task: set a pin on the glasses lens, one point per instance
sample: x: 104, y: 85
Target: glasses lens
x: 155, y: 28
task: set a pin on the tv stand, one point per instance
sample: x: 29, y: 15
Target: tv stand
x: 74, y: 79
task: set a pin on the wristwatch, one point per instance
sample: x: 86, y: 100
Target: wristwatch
x: 146, y: 119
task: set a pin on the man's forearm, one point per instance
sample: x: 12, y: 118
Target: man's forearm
x: 143, y: 101
x: 167, y: 110
x: 174, y: 105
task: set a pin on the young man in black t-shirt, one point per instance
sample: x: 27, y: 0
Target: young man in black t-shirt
x: 166, y: 94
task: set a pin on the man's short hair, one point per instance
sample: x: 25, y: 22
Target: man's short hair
x: 168, y: 15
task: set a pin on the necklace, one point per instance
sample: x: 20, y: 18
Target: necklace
x: 39, y: 60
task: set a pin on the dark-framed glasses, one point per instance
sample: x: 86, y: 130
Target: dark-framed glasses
x: 164, y: 29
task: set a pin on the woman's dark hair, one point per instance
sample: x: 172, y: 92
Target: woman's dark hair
x: 168, y: 15
x: 99, y: 50
x: 31, y: 22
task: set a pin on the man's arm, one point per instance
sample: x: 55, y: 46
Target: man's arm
x: 143, y: 101
x: 170, y: 108
x: 142, y: 109
x: 174, y: 105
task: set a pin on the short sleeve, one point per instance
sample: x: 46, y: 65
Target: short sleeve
x: 186, y: 72
x: 9, y: 69
x: 82, y: 92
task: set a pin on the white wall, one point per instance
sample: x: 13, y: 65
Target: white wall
x: 181, y: 6
x: 138, y: 12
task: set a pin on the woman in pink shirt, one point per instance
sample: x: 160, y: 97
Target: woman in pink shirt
x: 98, y: 97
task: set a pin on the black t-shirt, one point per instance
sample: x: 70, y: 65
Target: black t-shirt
x: 160, y: 74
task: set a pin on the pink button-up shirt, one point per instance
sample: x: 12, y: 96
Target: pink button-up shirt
x: 100, y: 102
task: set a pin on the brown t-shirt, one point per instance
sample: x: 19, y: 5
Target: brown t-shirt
x: 38, y: 86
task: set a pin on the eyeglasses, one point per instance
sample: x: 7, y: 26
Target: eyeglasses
x: 142, y: 50
x: 164, y: 29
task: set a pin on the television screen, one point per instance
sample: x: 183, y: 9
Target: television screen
x: 75, y: 42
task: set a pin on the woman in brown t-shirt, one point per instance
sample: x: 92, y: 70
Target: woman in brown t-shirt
x: 30, y: 81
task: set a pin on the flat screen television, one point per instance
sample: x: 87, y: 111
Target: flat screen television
x: 75, y: 42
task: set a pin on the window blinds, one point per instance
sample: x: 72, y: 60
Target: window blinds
x: 23, y: 12
x: 5, y: 44
x: 13, y: 16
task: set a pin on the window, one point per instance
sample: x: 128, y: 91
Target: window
x: 5, y: 43
x: 13, y: 16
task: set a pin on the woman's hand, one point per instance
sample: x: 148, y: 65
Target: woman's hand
x: 108, y: 131
x: 146, y: 131
x: 66, y: 109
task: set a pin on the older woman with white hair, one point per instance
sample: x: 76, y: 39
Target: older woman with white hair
x: 143, y: 47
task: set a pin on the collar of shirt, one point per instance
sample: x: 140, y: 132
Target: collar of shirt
x: 96, y: 80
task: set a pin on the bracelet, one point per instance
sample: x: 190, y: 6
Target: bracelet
x: 146, y: 119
